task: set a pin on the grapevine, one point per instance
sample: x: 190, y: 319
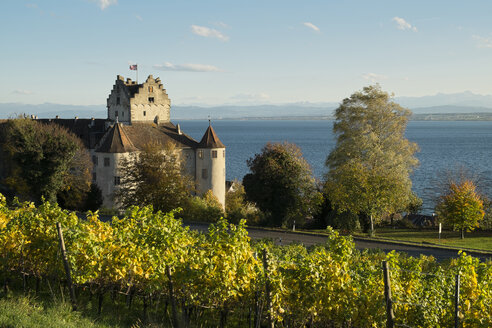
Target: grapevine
x: 219, y: 273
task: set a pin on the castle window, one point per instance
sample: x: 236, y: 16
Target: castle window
x: 223, y: 153
x: 145, y: 113
x: 200, y: 154
x: 117, y: 180
x: 94, y: 176
x: 204, y: 174
x: 214, y: 154
x: 117, y: 100
x: 106, y: 161
x: 151, y: 99
x: 151, y: 89
x: 116, y: 113
x: 123, y: 114
x: 94, y: 160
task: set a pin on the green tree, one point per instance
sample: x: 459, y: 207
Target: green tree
x: 44, y: 160
x: 415, y: 204
x: 281, y: 184
x: 462, y: 207
x: 238, y: 208
x: 487, y: 219
x: 370, y: 166
x: 155, y: 176
x: 203, y: 209
x: 94, y: 198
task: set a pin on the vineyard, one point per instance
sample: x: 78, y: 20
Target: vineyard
x: 221, y: 278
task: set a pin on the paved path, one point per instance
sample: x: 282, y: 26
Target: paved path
x: 286, y: 237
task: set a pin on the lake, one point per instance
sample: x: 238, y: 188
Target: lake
x: 443, y: 145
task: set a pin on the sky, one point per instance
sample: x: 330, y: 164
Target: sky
x: 243, y: 52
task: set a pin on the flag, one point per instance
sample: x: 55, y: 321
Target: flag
x: 133, y: 67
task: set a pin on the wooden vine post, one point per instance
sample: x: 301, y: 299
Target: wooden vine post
x: 257, y: 303
x: 270, y: 322
x: 174, y: 309
x: 67, y: 267
x: 457, y: 301
x: 390, y: 316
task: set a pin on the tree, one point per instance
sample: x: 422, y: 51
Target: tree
x: 44, y: 160
x: 414, y: 205
x: 94, y: 198
x: 237, y: 208
x: 281, y: 184
x: 203, y: 209
x: 155, y: 176
x: 370, y: 166
x: 462, y: 207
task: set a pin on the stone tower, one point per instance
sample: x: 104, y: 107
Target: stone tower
x: 210, y: 165
x: 138, y: 103
x: 114, y: 146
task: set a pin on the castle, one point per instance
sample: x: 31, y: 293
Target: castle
x: 139, y: 114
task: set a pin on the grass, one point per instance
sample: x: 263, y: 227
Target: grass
x: 28, y: 312
x: 45, y: 310
x: 481, y: 240
x: 42, y: 311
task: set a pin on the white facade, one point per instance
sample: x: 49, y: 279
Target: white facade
x: 132, y: 102
x: 211, y: 172
x: 140, y: 113
x: 106, y: 175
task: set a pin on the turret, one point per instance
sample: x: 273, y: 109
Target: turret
x: 112, y: 148
x: 210, y: 165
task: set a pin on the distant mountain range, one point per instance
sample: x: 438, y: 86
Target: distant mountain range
x: 49, y: 110
x: 462, y: 99
x: 458, y: 103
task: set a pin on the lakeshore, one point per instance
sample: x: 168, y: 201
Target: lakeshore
x: 443, y: 145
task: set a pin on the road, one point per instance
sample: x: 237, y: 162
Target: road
x: 287, y: 237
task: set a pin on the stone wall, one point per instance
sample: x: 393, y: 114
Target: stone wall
x: 106, y: 170
x: 147, y: 102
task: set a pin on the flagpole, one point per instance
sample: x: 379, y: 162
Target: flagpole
x: 137, y: 72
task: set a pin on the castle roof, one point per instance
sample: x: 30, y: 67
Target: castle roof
x: 210, y: 139
x: 116, y: 141
x: 127, y: 138
x: 88, y: 130
x: 120, y: 138
x: 143, y: 133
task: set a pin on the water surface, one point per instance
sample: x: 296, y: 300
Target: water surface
x: 443, y: 145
